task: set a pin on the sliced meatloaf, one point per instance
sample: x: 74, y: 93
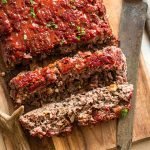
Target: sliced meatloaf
x: 97, y: 105
x: 42, y: 27
x: 68, y: 75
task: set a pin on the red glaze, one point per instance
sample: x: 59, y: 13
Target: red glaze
x: 40, y: 78
x: 37, y: 28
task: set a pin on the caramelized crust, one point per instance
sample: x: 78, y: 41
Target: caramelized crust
x: 69, y: 75
x: 45, y: 27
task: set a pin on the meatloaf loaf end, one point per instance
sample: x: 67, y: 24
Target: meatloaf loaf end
x: 39, y: 27
x: 69, y: 74
x: 97, y: 105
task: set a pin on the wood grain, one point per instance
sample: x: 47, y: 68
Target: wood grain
x: 142, y: 109
x: 88, y: 138
x: 101, y: 136
x: 114, y: 9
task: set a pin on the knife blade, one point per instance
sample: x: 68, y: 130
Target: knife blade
x: 131, y: 29
x: 147, y: 24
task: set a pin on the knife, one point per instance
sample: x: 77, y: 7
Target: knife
x: 147, y: 25
x: 132, y: 23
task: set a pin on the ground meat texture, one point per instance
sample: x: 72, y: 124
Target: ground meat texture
x: 97, y: 105
x: 31, y: 28
x: 5, y: 26
x: 69, y: 74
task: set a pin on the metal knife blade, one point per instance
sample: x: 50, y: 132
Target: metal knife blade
x: 131, y: 29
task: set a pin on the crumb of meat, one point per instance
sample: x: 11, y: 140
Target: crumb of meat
x: 69, y: 75
x: 100, y: 104
x: 2, y: 74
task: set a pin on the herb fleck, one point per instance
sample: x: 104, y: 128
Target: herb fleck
x: 78, y: 38
x: 81, y: 31
x: 52, y: 25
x: 32, y: 13
x: 124, y: 112
x: 32, y: 2
x: 4, y: 1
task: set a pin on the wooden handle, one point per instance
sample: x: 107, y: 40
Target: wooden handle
x: 10, y: 126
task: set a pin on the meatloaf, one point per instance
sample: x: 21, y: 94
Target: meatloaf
x: 44, y: 27
x: 69, y: 74
x: 97, y: 105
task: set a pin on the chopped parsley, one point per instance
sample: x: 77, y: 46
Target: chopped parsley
x: 78, y: 38
x: 124, y: 112
x: 32, y: 2
x: 81, y: 31
x: 4, y: 1
x: 52, y: 25
x: 25, y: 37
x: 32, y: 13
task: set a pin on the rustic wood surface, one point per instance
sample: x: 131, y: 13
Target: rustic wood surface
x: 142, y: 108
x: 103, y: 135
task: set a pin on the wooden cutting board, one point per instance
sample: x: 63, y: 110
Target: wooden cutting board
x: 142, y: 109
x: 103, y: 135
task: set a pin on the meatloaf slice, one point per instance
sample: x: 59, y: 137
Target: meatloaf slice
x: 39, y: 27
x: 69, y: 74
x: 97, y: 105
